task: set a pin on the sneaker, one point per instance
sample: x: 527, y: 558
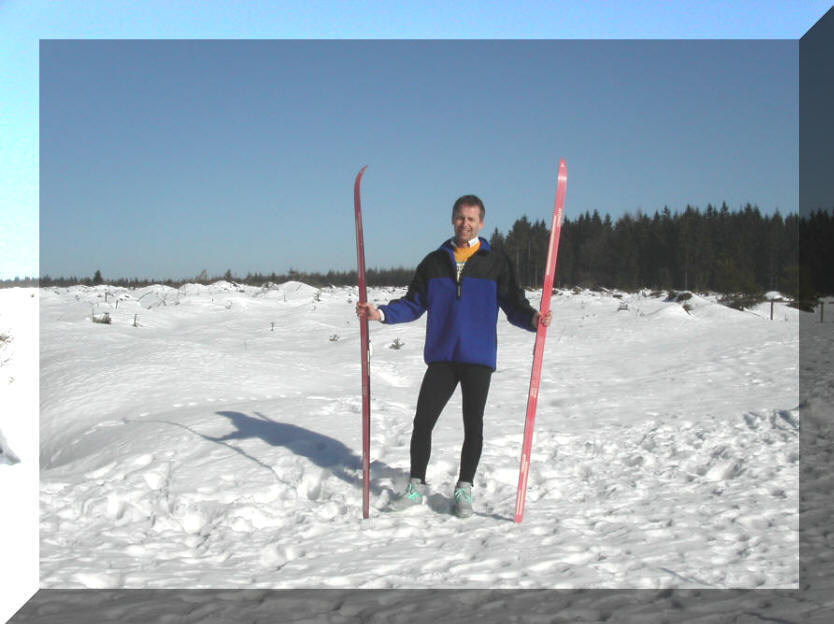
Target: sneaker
x: 463, y: 500
x: 412, y: 496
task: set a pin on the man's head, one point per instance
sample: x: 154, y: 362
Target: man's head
x: 469, y: 200
x: 467, y: 218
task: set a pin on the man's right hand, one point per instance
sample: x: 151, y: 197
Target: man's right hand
x: 369, y: 310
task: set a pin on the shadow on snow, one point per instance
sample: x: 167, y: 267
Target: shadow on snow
x: 323, y: 451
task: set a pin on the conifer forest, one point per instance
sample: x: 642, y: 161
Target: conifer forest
x: 741, y: 252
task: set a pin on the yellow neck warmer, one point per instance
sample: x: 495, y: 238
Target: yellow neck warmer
x: 462, y: 254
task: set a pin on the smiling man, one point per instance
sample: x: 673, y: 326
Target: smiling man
x: 461, y: 285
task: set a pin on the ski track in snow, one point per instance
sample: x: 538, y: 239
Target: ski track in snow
x: 217, y: 445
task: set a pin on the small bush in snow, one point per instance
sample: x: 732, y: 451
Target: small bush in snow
x: 103, y: 319
x: 4, y: 340
x: 397, y: 344
x: 678, y: 297
x: 740, y: 301
x: 334, y: 338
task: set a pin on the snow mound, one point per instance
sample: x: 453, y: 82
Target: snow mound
x: 290, y: 291
x: 671, y: 311
x: 781, y: 311
x: 775, y: 294
x: 191, y: 290
x: 156, y: 295
x: 6, y: 454
x: 223, y: 286
x: 710, y: 308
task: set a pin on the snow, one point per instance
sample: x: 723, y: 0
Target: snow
x: 216, y: 445
x: 18, y: 447
x: 212, y: 439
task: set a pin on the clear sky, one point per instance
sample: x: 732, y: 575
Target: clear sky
x: 164, y: 158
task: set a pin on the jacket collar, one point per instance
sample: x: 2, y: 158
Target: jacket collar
x: 449, y: 245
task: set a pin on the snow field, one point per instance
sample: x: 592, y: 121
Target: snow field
x: 217, y: 445
x: 18, y: 447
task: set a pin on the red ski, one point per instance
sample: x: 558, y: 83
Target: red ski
x: 541, y: 333
x: 364, y: 344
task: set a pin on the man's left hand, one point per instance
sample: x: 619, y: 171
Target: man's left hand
x: 544, y: 320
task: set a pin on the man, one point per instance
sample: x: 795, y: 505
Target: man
x: 461, y: 285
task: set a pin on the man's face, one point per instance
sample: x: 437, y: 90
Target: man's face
x: 467, y: 222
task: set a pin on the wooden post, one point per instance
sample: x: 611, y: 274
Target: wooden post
x: 822, y: 307
x: 771, y: 309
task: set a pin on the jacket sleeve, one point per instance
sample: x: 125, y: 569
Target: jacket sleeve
x: 512, y: 299
x: 413, y: 304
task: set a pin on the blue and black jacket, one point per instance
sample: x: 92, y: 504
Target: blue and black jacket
x: 462, y: 315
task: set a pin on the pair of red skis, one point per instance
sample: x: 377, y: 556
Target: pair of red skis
x: 538, y: 352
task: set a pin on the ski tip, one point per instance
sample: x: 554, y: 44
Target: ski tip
x: 357, y: 182
x: 563, y: 168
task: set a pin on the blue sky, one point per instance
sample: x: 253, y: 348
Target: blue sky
x: 162, y: 159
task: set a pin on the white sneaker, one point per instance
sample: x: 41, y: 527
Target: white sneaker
x: 463, y: 500
x: 413, y: 495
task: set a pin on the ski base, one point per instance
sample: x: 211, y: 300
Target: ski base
x: 365, y: 348
x: 541, y: 334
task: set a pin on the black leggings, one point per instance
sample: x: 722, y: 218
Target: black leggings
x: 439, y: 383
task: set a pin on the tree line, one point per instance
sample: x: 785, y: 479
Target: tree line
x: 716, y: 250
x: 400, y: 276
x: 816, y: 255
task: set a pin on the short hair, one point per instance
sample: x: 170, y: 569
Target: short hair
x: 468, y: 200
